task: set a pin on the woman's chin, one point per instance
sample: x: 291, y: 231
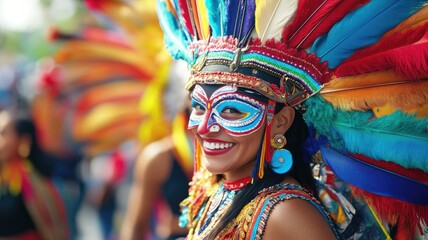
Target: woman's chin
x: 214, y: 166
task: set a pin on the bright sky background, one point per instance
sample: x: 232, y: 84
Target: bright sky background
x: 31, y: 15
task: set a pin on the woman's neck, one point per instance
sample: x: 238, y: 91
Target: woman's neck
x: 241, y: 173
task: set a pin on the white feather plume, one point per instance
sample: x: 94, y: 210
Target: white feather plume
x: 272, y: 16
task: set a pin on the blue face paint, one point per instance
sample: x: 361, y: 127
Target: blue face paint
x: 238, y: 114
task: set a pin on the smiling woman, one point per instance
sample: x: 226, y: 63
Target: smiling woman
x: 262, y: 71
x: 227, y: 124
x: 230, y: 125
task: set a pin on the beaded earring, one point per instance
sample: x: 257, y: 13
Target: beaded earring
x: 281, y: 159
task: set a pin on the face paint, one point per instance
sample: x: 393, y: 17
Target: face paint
x: 237, y: 113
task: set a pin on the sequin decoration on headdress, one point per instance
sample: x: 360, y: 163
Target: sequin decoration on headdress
x: 359, y: 68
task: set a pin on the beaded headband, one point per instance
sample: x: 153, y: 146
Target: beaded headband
x: 283, y: 75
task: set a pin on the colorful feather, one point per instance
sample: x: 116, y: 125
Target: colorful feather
x: 417, y: 19
x: 202, y: 14
x: 370, y: 97
x: 407, y: 217
x: 217, y: 19
x: 247, y: 25
x: 348, y: 167
x: 406, y: 53
x: 279, y: 13
x: 399, y: 137
x: 240, y: 18
x: 404, y: 148
x: 396, y: 198
x: 361, y: 28
x: 175, y: 39
x: 185, y: 17
x: 194, y: 11
x: 317, y: 21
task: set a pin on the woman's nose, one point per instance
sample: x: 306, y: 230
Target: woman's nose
x: 203, y: 127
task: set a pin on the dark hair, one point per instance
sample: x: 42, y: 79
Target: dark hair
x: 24, y: 127
x: 301, y: 171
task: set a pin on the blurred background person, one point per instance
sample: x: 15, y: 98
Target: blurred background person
x: 98, y: 92
x: 103, y: 98
x: 30, y: 206
x: 161, y: 181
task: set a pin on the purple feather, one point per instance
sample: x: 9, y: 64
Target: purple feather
x: 240, y: 19
x: 248, y: 24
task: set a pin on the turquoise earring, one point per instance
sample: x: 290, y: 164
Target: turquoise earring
x: 282, y: 160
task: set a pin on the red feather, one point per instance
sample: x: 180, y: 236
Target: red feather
x: 406, y: 216
x: 185, y: 14
x: 404, y: 52
x: 305, y: 9
x: 314, y: 18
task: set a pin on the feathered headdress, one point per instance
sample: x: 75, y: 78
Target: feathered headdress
x: 359, y: 67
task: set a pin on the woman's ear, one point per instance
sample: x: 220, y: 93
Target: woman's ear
x: 282, y: 121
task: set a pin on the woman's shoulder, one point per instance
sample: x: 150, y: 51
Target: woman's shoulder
x: 290, y: 210
x: 297, y: 219
x: 155, y: 160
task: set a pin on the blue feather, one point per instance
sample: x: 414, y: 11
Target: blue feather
x: 175, y: 38
x: 375, y: 179
x: 240, y: 18
x: 399, y: 137
x: 232, y: 10
x: 409, y: 151
x: 217, y: 16
x: 361, y: 28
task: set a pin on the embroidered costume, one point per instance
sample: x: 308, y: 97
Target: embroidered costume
x: 215, y: 199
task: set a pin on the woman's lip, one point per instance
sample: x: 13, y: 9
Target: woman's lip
x: 213, y: 140
x: 216, y: 152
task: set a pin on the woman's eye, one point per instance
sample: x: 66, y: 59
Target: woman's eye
x: 231, y: 113
x: 230, y: 110
x: 198, y: 109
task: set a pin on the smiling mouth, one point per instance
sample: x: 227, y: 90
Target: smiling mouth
x: 217, y: 146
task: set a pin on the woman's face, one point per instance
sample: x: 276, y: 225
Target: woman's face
x: 229, y: 126
x: 9, y: 140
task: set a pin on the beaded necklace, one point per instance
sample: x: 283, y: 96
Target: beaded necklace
x: 237, y: 185
x: 220, y: 201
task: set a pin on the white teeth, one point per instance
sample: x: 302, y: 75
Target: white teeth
x: 213, y: 146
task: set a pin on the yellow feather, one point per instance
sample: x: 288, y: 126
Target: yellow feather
x: 203, y: 18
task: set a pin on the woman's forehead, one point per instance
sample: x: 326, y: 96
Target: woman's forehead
x: 210, y: 89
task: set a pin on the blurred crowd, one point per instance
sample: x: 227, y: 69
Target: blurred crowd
x: 93, y: 139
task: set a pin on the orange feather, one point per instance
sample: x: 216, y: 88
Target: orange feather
x: 396, y: 95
